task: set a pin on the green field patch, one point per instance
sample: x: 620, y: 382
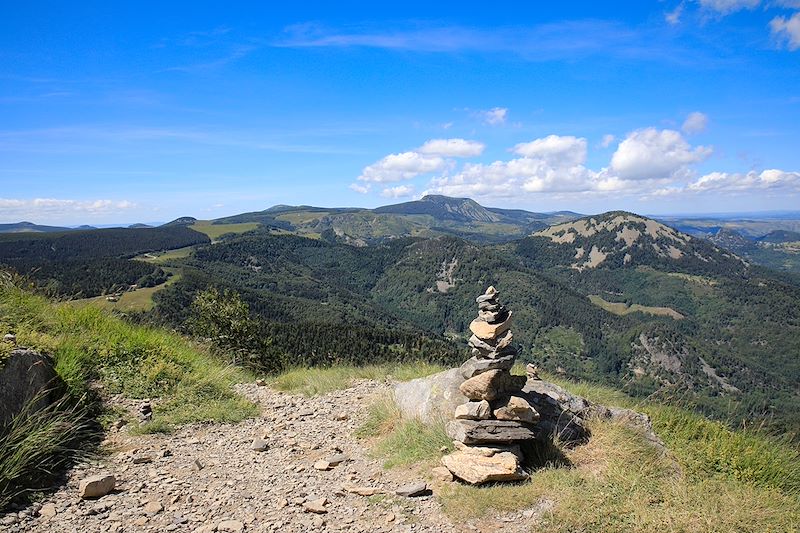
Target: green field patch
x: 158, y: 258
x: 215, y: 231
x: 622, y: 309
x: 131, y: 301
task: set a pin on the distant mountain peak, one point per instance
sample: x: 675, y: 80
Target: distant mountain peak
x: 620, y: 237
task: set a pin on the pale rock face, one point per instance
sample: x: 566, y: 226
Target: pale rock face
x: 474, y: 410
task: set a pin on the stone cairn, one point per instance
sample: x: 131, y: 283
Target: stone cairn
x: 488, y: 429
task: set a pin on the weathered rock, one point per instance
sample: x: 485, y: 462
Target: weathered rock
x: 430, y: 398
x: 322, y: 464
x: 28, y: 381
x: 361, y: 491
x: 488, y: 305
x: 259, y: 445
x: 232, y: 526
x: 418, y: 488
x: 316, y: 506
x: 96, y: 486
x: 490, y: 294
x: 474, y: 410
x: 474, y: 365
x: 477, y: 465
x: 153, y: 508
x: 10, y: 338
x: 491, y: 384
x: 337, y: 459
x: 485, y: 330
x: 515, y: 408
x: 48, y: 510
x: 493, y: 317
x: 489, y: 431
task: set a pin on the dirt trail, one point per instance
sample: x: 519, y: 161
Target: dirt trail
x: 207, y: 477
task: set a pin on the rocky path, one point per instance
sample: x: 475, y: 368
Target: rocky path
x: 209, y: 478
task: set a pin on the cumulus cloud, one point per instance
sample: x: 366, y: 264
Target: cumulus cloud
x: 649, y: 153
x: 607, y: 140
x: 766, y: 179
x: 557, y: 151
x: 401, y: 191
x: 696, y: 122
x: 495, y: 116
x: 452, y: 148
x: 53, y: 208
x: 725, y: 7
x: 787, y: 30
x: 402, y: 166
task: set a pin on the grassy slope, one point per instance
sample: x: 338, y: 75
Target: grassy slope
x: 186, y: 383
x: 622, y: 309
x: 138, y: 300
x: 724, y: 481
x: 215, y: 231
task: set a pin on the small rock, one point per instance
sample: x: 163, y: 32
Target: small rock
x: 283, y: 502
x: 142, y: 459
x: 142, y: 520
x: 259, y: 445
x: 336, y: 460
x: 233, y: 526
x: 322, y: 465
x: 198, y: 464
x: 261, y: 382
x: 153, y: 508
x: 96, y: 486
x: 474, y: 410
x: 48, y: 510
x: 361, y: 491
x: 316, y: 506
x: 390, y: 517
x: 418, y: 488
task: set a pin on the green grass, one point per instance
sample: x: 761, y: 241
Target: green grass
x: 724, y: 481
x: 321, y: 380
x: 159, y: 258
x: 215, y: 231
x: 187, y: 383
x: 132, y: 301
x: 622, y: 309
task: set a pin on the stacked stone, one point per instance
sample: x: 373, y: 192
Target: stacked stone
x: 488, y: 429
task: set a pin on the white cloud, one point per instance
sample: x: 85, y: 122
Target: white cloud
x: 401, y: 191
x: 673, y: 17
x: 696, y: 122
x: 495, y: 116
x: 649, y: 154
x: 607, y: 140
x: 766, y: 179
x: 787, y: 30
x: 37, y: 209
x: 725, y: 7
x: 402, y: 166
x: 452, y: 148
x: 557, y: 151
x: 362, y: 189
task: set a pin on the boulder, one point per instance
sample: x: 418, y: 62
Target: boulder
x: 491, y: 384
x: 96, y: 486
x: 432, y: 398
x: 478, y: 464
x: 515, y: 408
x: 474, y: 410
x: 28, y: 382
x: 489, y: 431
x: 474, y: 366
x: 418, y: 488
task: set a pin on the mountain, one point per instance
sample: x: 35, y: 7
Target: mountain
x: 139, y: 225
x: 182, y: 221
x: 29, y: 227
x: 428, y: 217
x: 619, y: 239
x: 779, y: 237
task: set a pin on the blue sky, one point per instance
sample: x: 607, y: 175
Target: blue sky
x: 113, y: 112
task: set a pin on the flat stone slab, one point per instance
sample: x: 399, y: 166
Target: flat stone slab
x: 491, y: 384
x: 480, y: 465
x: 487, y: 331
x: 489, y: 431
x: 474, y: 365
